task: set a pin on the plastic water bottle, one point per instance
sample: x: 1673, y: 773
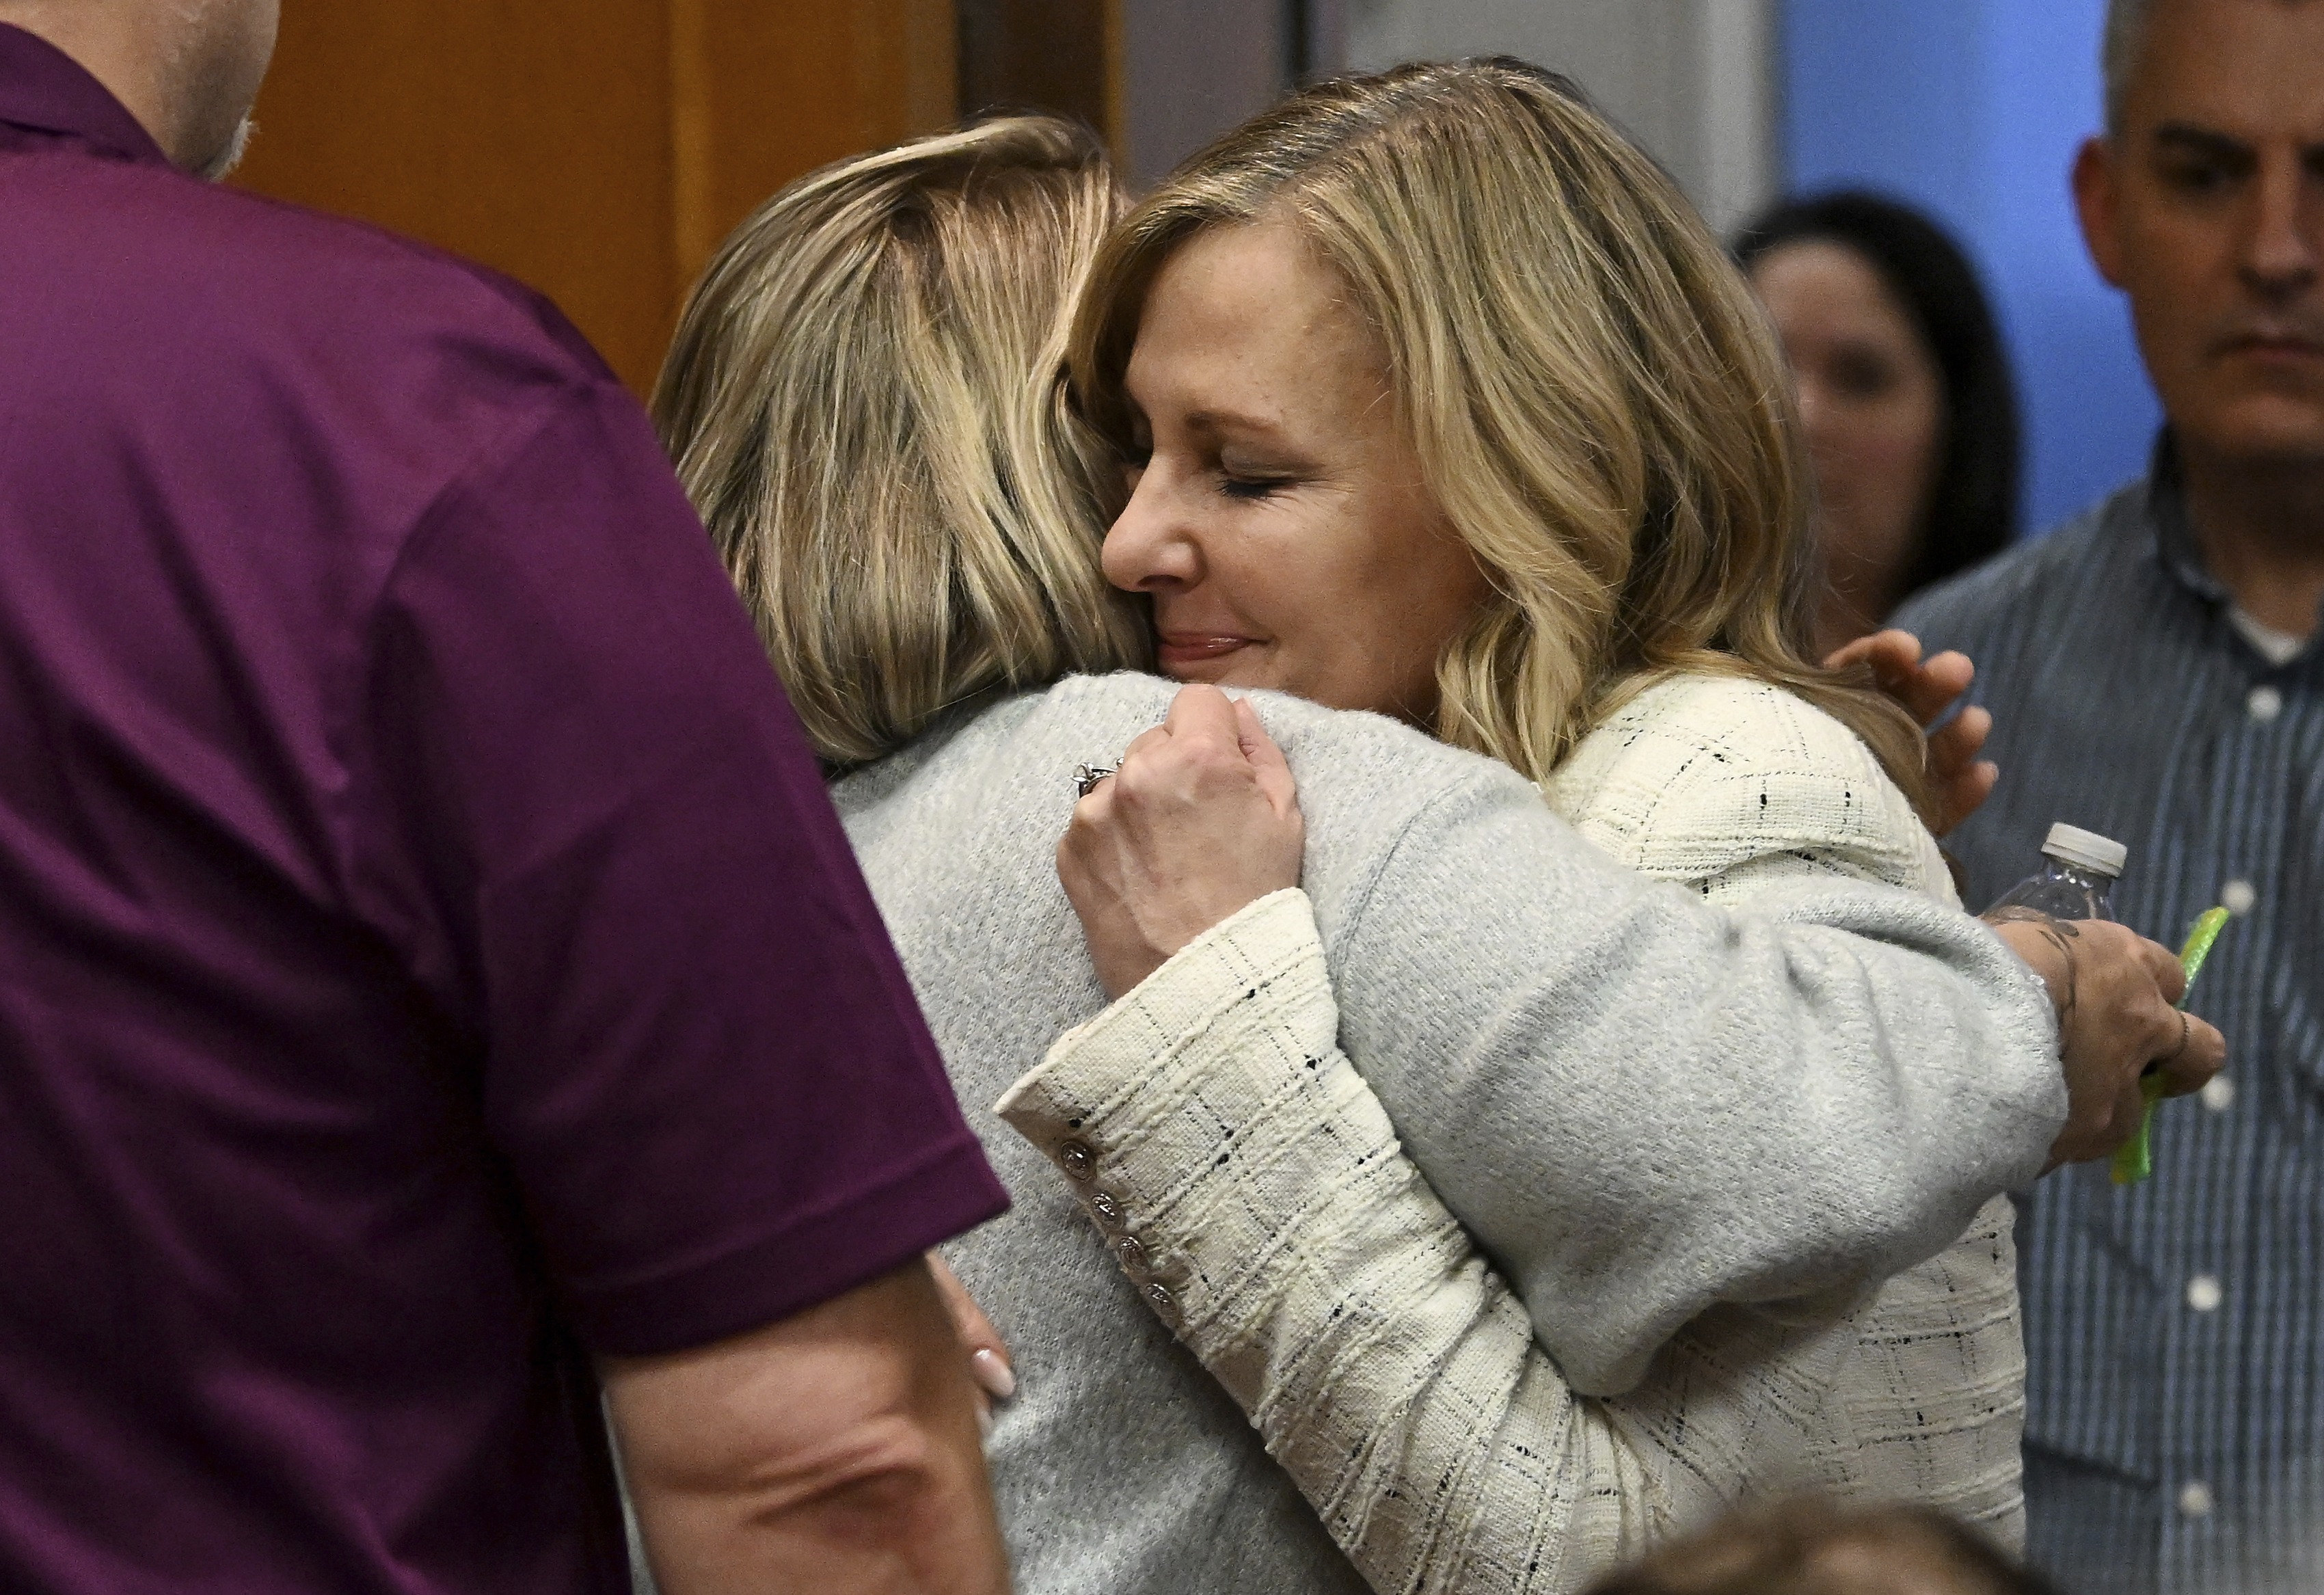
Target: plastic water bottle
x: 2078, y: 869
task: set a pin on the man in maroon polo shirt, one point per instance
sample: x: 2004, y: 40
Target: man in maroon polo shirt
x: 433, y: 985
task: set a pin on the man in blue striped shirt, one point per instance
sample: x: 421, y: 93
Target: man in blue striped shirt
x: 2152, y: 673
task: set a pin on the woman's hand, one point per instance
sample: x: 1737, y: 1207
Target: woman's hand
x: 988, y: 1355
x: 1961, y: 780
x: 1201, y: 819
x: 2114, y: 990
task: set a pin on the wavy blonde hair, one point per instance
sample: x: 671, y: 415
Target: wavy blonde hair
x: 865, y: 402
x: 1597, y: 403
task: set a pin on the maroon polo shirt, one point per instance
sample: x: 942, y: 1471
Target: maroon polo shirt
x: 427, y: 953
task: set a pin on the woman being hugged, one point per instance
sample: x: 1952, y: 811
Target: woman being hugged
x: 1439, y: 401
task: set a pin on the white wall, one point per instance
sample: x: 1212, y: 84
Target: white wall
x: 1694, y: 82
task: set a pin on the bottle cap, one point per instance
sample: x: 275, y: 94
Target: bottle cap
x: 2085, y: 848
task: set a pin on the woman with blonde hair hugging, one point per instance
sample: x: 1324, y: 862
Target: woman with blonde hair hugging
x: 1442, y: 402
x: 864, y: 399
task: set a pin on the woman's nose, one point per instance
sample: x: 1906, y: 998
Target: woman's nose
x: 1150, y: 543
x: 1814, y: 404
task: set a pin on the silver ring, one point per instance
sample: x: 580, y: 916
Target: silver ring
x: 1087, y: 776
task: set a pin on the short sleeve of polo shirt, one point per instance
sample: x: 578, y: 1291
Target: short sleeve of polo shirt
x: 599, y: 839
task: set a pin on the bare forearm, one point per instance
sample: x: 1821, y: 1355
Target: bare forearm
x: 875, y: 1512
x: 835, y: 1451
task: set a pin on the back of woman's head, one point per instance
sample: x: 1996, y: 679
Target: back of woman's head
x: 1593, y: 394
x: 864, y: 401
x: 1971, y: 513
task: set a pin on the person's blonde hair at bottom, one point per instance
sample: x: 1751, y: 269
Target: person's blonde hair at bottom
x: 1596, y: 400
x: 1812, y: 1546
x: 864, y: 401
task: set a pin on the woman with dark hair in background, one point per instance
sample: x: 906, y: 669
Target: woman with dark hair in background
x: 1904, y: 397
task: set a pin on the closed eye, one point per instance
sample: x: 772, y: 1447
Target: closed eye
x: 1248, y: 488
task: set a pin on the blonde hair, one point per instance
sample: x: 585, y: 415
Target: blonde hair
x: 863, y: 400
x: 1596, y: 400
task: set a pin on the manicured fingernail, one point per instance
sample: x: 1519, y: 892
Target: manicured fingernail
x: 992, y: 1374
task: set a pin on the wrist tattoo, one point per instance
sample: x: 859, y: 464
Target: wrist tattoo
x: 2061, y: 934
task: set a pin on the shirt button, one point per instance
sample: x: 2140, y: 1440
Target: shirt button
x: 2195, y: 1500
x: 2265, y: 703
x: 1077, y: 1160
x: 2203, y: 1293
x: 2236, y: 897
x: 1162, y: 1302
x: 2219, y: 1093
x: 1109, y: 1211
x: 1131, y: 1253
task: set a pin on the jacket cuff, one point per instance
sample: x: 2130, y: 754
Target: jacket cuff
x: 1141, y: 1103
x: 1110, y: 1056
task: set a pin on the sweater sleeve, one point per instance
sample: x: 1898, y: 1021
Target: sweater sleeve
x: 1733, y: 787
x: 1251, y: 1186
x: 1640, y: 1105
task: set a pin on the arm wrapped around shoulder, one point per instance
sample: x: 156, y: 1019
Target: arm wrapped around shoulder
x: 1254, y: 1192
x: 1640, y: 1104
x: 1193, y: 1083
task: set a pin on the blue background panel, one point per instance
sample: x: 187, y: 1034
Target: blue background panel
x: 1972, y: 109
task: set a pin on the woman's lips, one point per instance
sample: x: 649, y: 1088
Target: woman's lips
x: 1185, y: 649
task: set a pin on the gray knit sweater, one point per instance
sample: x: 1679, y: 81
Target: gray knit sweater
x: 1638, y: 1104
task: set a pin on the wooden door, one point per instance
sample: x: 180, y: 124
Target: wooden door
x: 595, y: 149
x: 1059, y: 56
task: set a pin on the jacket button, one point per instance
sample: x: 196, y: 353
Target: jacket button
x: 1077, y: 1160
x: 1107, y: 1211
x: 1131, y: 1253
x: 1162, y: 1302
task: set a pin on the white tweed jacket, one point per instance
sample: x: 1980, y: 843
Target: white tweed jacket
x: 1309, y: 1264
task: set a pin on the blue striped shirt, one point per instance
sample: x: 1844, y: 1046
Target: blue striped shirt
x: 2174, y: 1328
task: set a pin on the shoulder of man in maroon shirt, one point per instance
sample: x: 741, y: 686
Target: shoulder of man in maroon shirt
x: 428, y: 957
